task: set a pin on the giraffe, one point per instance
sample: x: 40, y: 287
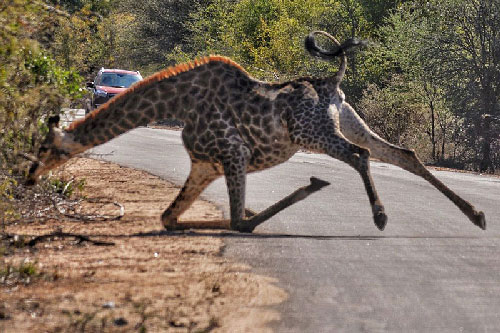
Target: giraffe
x: 236, y: 124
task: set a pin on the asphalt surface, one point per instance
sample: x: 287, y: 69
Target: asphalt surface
x: 431, y: 270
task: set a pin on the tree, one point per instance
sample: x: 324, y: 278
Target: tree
x: 467, y: 46
x: 96, y: 7
x: 449, y: 52
x: 88, y: 35
x: 155, y: 28
x: 396, y: 113
x: 404, y: 39
x: 266, y: 36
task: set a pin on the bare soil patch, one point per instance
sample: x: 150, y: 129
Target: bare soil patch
x: 148, y: 281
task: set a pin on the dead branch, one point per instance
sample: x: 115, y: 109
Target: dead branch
x: 60, y: 234
x: 52, y: 236
x: 87, y: 217
x: 96, y: 155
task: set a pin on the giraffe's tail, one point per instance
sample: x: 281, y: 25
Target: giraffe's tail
x: 339, y: 50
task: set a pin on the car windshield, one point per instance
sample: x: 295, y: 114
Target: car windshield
x: 118, y: 80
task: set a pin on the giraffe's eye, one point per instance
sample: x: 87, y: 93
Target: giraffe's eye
x: 43, y: 150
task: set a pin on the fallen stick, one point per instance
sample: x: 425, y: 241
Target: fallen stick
x: 80, y: 238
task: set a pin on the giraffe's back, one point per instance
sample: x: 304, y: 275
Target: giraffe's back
x: 221, y: 103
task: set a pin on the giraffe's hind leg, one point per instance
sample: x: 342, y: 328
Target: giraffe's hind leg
x: 357, y: 131
x: 201, y: 175
x: 335, y: 145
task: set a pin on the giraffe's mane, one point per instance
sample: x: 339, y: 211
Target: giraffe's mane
x: 161, y: 75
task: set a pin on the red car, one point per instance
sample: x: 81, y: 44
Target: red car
x: 110, y: 82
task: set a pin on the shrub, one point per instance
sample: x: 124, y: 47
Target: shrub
x: 32, y: 87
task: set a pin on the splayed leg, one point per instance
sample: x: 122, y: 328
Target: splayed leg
x: 249, y: 224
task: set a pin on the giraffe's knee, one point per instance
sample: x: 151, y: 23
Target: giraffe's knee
x: 168, y: 220
x: 409, y: 156
x: 409, y: 152
x: 361, y: 156
x: 364, y: 154
x: 168, y: 217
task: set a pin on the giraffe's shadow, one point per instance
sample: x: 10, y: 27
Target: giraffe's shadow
x: 233, y: 235
x: 239, y: 235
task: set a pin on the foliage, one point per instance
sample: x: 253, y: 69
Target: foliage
x: 89, y: 38
x: 430, y: 43
x: 66, y: 187
x: 395, y: 113
x: 98, y: 7
x: 150, y: 29
x: 7, y: 209
x: 266, y: 36
x: 32, y: 86
x: 403, y: 42
x: 24, y: 272
x: 469, y: 43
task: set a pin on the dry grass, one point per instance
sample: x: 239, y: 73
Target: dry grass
x: 149, y: 281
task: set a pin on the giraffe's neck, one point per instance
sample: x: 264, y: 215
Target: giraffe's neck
x: 148, y: 102
x: 172, y: 93
x: 122, y: 114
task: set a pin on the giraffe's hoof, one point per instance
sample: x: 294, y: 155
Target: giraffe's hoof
x: 171, y: 225
x: 316, y: 184
x: 380, y: 220
x: 479, y: 220
x: 244, y: 227
x: 170, y: 228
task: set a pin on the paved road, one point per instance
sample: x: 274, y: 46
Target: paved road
x: 431, y: 270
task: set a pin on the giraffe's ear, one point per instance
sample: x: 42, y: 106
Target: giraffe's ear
x: 54, y: 121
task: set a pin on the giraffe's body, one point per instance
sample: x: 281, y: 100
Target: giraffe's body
x: 235, y: 124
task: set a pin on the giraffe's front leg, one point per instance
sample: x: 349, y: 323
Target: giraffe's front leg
x: 359, y: 159
x: 235, y: 173
x: 201, y: 175
x: 245, y: 220
x: 236, y: 182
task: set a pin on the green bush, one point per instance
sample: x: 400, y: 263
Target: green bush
x: 32, y: 87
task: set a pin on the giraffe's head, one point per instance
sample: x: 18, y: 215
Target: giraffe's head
x: 57, y: 149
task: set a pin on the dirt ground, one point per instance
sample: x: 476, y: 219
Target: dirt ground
x: 148, y: 281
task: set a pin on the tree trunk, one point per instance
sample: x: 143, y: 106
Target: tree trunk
x: 433, y: 119
x: 486, y: 164
x: 433, y: 130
